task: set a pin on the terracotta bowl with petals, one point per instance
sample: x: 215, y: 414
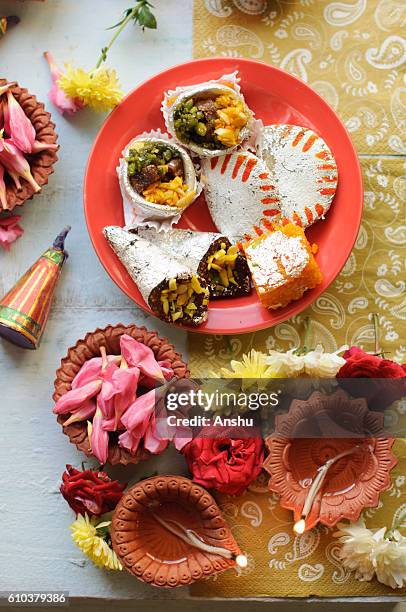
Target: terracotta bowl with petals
x: 353, y: 482
x: 42, y: 163
x: 89, y: 347
x: 152, y: 553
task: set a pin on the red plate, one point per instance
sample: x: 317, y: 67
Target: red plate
x: 276, y: 97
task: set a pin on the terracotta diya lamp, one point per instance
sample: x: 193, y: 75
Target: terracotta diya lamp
x: 89, y: 347
x: 327, y: 479
x: 41, y: 163
x: 168, y: 531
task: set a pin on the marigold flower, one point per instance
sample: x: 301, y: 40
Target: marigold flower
x: 85, y: 534
x: 99, y: 89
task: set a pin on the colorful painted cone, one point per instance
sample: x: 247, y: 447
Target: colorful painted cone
x: 6, y: 22
x: 25, y: 308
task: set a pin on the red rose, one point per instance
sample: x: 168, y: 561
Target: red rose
x: 363, y: 365
x: 90, y: 492
x: 224, y: 464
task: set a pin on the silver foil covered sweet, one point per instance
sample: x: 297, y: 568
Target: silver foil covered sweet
x: 239, y: 194
x: 186, y: 245
x: 137, y: 210
x: 147, y: 264
x: 302, y: 169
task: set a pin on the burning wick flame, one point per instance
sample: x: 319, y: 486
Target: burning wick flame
x: 241, y: 561
x: 300, y: 526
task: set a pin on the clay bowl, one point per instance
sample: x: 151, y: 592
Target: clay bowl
x: 41, y: 163
x: 155, y: 555
x: 90, y: 347
x: 353, y: 482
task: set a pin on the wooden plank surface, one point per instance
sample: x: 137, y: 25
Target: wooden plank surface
x: 36, y: 551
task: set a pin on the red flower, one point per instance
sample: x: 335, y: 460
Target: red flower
x: 90, y: 492
x: 363, y: 365
x: 225, y: 464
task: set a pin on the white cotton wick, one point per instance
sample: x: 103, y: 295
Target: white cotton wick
x: 188, y: 536
x: 300, y: 526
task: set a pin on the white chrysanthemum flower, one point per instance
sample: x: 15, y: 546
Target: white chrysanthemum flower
x: 285, y: 365
x: 389, y: 561
x: 358, y: 544
x: 317, y: 363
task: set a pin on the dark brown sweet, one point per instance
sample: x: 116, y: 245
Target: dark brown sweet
x: 89, y: 347
x: 41, y: 163
x: 155, y: 555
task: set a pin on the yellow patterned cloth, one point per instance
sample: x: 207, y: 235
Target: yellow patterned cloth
x: 282, y: 564
x: 353, y: 54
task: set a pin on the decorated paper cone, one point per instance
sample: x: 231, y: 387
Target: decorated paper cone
x: 196, y: 250
x: 25, y: 308
x: 6, y: 22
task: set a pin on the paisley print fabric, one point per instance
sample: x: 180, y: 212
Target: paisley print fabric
x: 353, y: 52
x: 283, y: 564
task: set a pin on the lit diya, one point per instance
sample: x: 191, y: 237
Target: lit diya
x: 169, y: 531
x: 327, y: 479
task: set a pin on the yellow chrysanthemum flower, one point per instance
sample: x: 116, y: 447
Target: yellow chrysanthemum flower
x: 252, y: 366
x: 85, y: 536
x: 99, y: 89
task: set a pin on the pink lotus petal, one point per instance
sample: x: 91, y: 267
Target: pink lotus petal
x: 10, y: 230
x: 137, y: 416
x: 63, y: 103
x: 141, y: 356
x: 112, y: 386
x: 17, y: 125
x: 91, y: 370
x: 3, y: 193
x: 125, y: 382
x: 152, y: 442
x: 75, y: 398
x: 85, y: 412
x: 38, y: 146
x: 130, y: 443
x: 167, y: 372
x: 99, y: 438
x: 15, y: 163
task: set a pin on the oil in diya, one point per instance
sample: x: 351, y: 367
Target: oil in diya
x: 25, y: 308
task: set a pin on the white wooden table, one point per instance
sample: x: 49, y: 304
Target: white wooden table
x: 36, y: 551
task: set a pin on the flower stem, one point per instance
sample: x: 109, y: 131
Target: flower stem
x: 377, y: 349
x: 131, y: 15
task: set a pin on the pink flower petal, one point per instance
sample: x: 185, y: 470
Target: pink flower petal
x: 141, y: 356
x: 3, y: 193
x: 91, y: 370
x: 17, y: 125
x: 63, y: 103
x: 130, y: 443
x: 85, y: 412
x: 15, y: 163
x: 99, y: 438
x: 137, y: 416
x: 10, y: 230
x: 75, y: 398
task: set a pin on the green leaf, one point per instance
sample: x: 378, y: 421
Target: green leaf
x: 145, y: 18
x: 126, y: 13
